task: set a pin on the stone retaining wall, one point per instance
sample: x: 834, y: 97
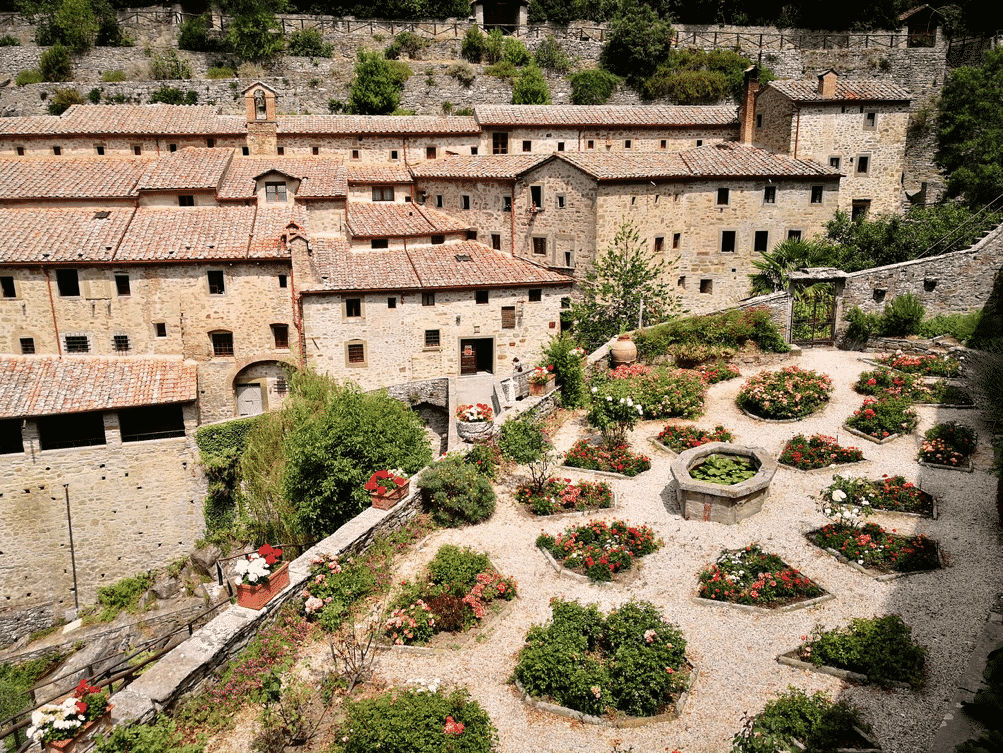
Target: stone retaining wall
x: 25, y: 620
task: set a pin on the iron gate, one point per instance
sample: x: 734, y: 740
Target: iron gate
x: 813, y: 316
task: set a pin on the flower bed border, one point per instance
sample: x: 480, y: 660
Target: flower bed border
x: 817, y: 470
x: 813, y: 414
x: 791, y: 660
x: 877, y: 574
x: 869, y: 438
x: 969, y: 467
x: 950, y: 406
x: 807, y: 603
x: 879, y: 365
x: 659, y: 446
x: 611, y: 474
x: 628, y: 576
x: 465, y: 638
x: 678, y: 706
x: 574, y: 513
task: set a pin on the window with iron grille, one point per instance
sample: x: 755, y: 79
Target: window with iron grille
x: 280, y: 333
x: 77, y: 344
x: 508, y: 317
x: 28, y: 346
x: 431, y: 338
x: 281, y: 386
x: 120, y: 343
x: 356, y: 353
x: 222, y: 343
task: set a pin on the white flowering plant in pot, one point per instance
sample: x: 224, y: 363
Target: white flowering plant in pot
x: 257, y: 566
x: 53, y: 722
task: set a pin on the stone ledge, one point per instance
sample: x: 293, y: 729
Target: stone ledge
x: 969, y: 468
x: 869, y: 438
x: 806, y: 604
x: 790, y: 659
x: 877, y: 574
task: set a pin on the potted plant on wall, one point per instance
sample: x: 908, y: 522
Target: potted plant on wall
x: 474, y: 421
x: 541, y: 381
x: 259, y: 576
x: 387, y: 488
x: 71, y: 725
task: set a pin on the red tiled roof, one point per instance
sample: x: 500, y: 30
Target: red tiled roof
x: 207, y: 233
x: 725, y: 159
x: 70, y: 177
x: 189, y: 168
x: 858, y: 91
x: 147, y: 120
x: 368, y: 173
x: 61, y: 235
x: 43, y: 385
x: 486, y: 167
x: 332, y: 125
x: 385, y: 219
x: 605, y: 116
x: 320, y: 177
x: 425, y: 267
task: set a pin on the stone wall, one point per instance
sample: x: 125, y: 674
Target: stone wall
x: 24, y: 620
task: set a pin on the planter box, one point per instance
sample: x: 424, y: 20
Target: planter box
x: 388, y: 500
x: 868, y: 437
x: 84, y: 739
x: 256, y: 596
x: 471, y: 431
x: 538, y: 390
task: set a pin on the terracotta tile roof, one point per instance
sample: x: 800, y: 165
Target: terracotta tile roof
x: 604, y: 116
x: 859, y: 91
x: 378, y: 174
x: 70, y: 177
x: 331, y: 125
x: 43, y: 386
x: 189, y: 168
x: 485, y: 167
x: 321, y: 177
x: 726, y: 159
x: 138, y: 120
x: 425, y: 268
x: 61, y: 235
x: 207, y: 233
x: 385, y: 219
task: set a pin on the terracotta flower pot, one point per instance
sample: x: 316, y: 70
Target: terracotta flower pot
x: 255, y: 596
x: 537, y: 390
x: 84, y: 739
x: 624, y: 351
x: 391, y: 498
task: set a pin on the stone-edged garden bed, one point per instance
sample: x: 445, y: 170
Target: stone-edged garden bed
x: 754, y: 417
x: 448, y: 643
x: 879, y: 575
x: 791, y: 659
x: 969, y: 467
x: 819, y: 471
x: 781, y: 609
x: 868, y: 437
x: 571, y: 513
x: 604, y: 552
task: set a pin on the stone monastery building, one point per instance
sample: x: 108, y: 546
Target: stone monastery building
x: 163, y: 263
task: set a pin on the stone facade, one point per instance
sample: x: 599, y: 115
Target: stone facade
x: 551, y: 139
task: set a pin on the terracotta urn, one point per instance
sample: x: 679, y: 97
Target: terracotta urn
x: 624, y: 351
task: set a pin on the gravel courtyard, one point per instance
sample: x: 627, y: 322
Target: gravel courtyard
x: 735, y: 652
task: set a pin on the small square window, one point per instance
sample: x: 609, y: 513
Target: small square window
x: 283, y: 281
x: 394, y: 155
x: 706, y: 286
x: 863, y: 164
x: 379, y: 243
x: 137, y: 149
x: 67, y: 282
x: 280, y: 333
x: 870, y: 120
x: 210, y: 143
x: 172, y: 147
x: 275, y: 193
x: 722, y: 197
x: 762, y: 241
x: 659, y: 244
x: 217, y: 286
x: 508, y: 317
x: 428, y: 299
x: 57, y: 151
x: 663, y: 143
x: 506, y: 203
x: 355, y: 154
x: 496, y: 241
x: 244, y: 151
x: 431, y: 338
x: 535, y: 295
x: 627, y: 143
x: 7, y: 286
x: 438, y: 201
x: 770, y: 195
x: 160, y: 328
x: 391, y: 302
x: 699, y: 142
x: 429, y: 152
x: 727, y: 241
x: 473, y: 151
x: 681, y: 283
x: 27, y: 346
x: 356, y: 353
x: 527, y: 146
x: 560, y: 146
x: 120, y: 343
x: 676, y: 238
x: 99, y: 150
x: 590, y: 144
x: 353, y: 307
x: 77, y: 344
x: 481, y: 296
x: 816, y: 194
x: 834, y: 162
x: 464, y: 202
x: 186, y: 200
x: 794, y: 235
x: 560, y: 201
x: 315, y: 150
x: 222, y: 343
x: 438, y: 240
x: 280, y: 150
x: 20, y: 151
x: 123, y: 285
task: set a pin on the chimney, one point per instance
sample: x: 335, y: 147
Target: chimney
x: 747, y: 112
x: 827, y: 84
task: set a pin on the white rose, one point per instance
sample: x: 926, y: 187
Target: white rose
x: 838, y: 495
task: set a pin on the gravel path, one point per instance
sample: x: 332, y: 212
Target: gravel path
x: 734, y: 651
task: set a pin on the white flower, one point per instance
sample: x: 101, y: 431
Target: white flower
x: 838, y: 495
x: 609, y: 398
x: 595, y: 390
x: 630, y: 402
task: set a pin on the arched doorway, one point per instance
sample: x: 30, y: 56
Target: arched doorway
x: 261, y: 386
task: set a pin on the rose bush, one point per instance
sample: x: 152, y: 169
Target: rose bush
x: 791, y: 392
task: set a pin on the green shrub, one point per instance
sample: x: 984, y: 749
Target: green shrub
x: 195, y: 35
x: 473, y: 46
x: 309, y: 43
x: 113, y: 77
x: 516, y: 52
x: 218, y: 72
x: 494, y: 46
x: 122, y: 595
x: 630, y: 661
x: 550, y: 56
x: 593, y: 87
x: 880, y: 647
x: 530, y: 88
x: 169, y: 66
x: 686, y: 87
x: 485, y: 458
x: 169, y: 95
x: 223, y: 437
x: 160, y: 737
x: 406, y: 43
x: 9, y: 40
x: 861, y: 326
x: 902, y: 316
x: 731, y: 329
x: 502, y: 69
x: 63, y: 99
x: 463, y: 72
x: 94, y: 96
x: 55, y: 64
x: 523, y: 440
x: 456, y: 494
x: 569, y: 369
x: 457, y: 568
x: 413, y: 721
x: 30, y: 76
x: 959, y: 326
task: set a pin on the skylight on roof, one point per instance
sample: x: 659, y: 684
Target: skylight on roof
x: 464, y: 257
x: 101, y: 215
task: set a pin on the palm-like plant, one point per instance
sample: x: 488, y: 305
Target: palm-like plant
x: 773, y: 270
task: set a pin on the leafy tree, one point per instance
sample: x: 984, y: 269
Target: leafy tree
x: 638, y: 42
x: 494, y: 46
x: 530, y: 88
x: 77, y: 24
x: 377, y: 85
x: 551, y: 56
x: 55, y: 64
x: 592, y: 87
x: 624, y: 275
x: 472, y: 47
x: 253, y: 31
x: 970, y: 131
x: 195, y: 35
x: 695, y: 76
x: 516, y: 52
x: 773, y: 268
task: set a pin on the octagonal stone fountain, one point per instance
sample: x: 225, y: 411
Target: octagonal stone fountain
x: 730, y: 504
